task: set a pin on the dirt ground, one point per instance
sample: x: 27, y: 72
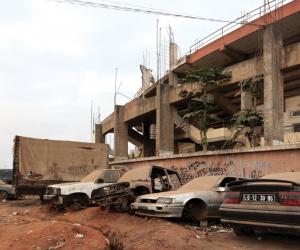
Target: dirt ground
x: 27, y: 224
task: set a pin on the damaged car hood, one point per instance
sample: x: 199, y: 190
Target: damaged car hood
x: 79, y: 187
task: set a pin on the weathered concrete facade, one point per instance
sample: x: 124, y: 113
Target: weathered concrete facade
x: 270, y: 48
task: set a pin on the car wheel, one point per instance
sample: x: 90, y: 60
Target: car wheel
x: 77, y: 203
x: 3, y: 195
x: 195, y: 210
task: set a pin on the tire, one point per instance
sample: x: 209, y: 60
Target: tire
x: 3, y: 195
x: 77, y: 203
x: 195, y: 210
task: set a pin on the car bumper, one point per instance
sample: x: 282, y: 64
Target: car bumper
x: 158, y: 210
x: 55, y: 199
x: 275, y: 218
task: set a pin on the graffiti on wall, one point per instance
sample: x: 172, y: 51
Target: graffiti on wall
x: 237, y: 167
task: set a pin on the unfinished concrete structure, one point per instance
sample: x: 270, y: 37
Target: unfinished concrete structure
x: 267, y: 44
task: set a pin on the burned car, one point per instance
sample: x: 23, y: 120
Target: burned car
x: 6, y: 191
x: 77, y: 195
x: 198, y: 200
x: 268, y: 204
x: 135, y: 182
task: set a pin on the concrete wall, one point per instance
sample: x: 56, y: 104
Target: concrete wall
x: 249, y: 163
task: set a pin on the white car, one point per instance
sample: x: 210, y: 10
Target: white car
x: 77, y: 195
x: 198, y: 200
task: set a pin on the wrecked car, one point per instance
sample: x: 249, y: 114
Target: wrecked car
x: 198, y: 200
x: 268, y: 204
x: 6, y: 191
x: 135, y: 182
x: 77, y: 195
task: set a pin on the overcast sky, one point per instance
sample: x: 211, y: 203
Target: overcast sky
x: 56, y: 58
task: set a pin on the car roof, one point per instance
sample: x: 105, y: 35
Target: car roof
x: 286, y: 176
x: 139, y: 173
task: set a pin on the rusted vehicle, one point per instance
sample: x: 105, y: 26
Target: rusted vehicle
x: 7, y: 191
x: 77, y: 195
x: 135, y: 182
x: 198, y: 200
x: 268, y: 204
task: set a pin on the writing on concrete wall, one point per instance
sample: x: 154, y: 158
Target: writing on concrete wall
x: 202, y: 168
x: 237, y: 167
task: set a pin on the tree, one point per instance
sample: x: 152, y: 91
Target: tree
x: 201, y: 102
x: 249, y: 122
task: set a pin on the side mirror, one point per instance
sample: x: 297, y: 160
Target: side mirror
x: 220, y: 189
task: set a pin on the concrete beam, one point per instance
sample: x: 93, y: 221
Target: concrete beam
x: 236, y: 55
x: 108, y: 124
x: 135, y: 137
x: 139, y: 107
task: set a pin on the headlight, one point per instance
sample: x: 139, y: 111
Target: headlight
x: 164, y: 200
x: 106, y: 188
x: 56, y: 191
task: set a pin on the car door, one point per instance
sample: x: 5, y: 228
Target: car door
x: 216, y: 196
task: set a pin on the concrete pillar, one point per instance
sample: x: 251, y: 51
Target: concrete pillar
x: 148, y: 144
x: 246, y: 100
x: 173, y: 79
x: 99, y: 137
x: 120, y: 134
x: 147, y: 77
x: 273, y: 87
x: 164, y: 122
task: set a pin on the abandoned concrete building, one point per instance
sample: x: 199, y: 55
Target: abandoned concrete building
x: 263, y: 43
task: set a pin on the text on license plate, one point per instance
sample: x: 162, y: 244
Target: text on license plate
x: 268, y: 198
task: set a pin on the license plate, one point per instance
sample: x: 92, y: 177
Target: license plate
x: 263, y: 198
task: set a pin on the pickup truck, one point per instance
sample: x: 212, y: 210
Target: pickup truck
x: 77, y: 195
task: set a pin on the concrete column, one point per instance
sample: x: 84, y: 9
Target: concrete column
x: 99, y: 137
x: 120, y: 134
x: 246, y: 100
x: 273, y: 87
x: 147, y: 76
x: 164, y: 122
x: 148, y: 144
x: 173, y: 79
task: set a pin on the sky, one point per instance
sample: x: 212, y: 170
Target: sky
x: 58, y: 59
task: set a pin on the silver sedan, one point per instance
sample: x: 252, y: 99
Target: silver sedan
x: 199, y: 200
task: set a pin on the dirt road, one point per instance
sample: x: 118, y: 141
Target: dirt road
x: 31, y: 225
